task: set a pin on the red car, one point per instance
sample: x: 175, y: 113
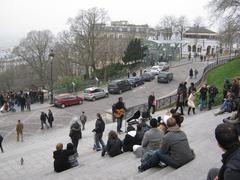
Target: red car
x: 67, y: 99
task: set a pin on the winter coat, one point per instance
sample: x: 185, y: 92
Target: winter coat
x: 129, y: 140
x: 203, y: 93
x: 43, y: 117
x: 152, y: 139
x: 99, y: 126
x: 230, y: 169
x: 114, y: 147
x: 151, y: 100
x: 180, y: 99
x: 75, y: 131
x: 61, y: 161
x: 191, y: 101
x: 175, y: 145
x: 19, y: 127
x: 50, y: 117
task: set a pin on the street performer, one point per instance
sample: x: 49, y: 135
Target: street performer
x: 118, y: 112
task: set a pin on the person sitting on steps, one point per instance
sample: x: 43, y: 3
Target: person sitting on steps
x: 175, y: 150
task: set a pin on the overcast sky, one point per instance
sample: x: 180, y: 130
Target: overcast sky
x: 18, y: 17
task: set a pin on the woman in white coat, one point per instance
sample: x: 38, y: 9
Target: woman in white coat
x: 191, y: 102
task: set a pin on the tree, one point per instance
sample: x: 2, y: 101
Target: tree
x: 229, y: 32
x: 134, y: 51
x: 34, y: 49
x: 181, y: 27
x: 87, y: 29
x: 168, y: 23
x: 226, y: 8
x: 64, y: 55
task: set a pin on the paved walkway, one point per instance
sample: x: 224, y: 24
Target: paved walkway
x: 36, y: 151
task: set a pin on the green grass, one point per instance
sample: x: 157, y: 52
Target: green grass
x: 216, y: 76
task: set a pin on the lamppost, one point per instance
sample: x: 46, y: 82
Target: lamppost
x: 51, y: 56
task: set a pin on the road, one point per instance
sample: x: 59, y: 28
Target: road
x: 63, y: 117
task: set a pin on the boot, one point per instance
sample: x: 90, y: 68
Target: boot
x: 189, y: 109
x: 193, y: 110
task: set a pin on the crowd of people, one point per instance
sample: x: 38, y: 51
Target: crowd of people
x: 9, y: 100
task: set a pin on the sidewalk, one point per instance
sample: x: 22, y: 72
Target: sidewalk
x: 38, y: 162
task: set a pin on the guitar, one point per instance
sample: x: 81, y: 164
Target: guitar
x: 119, y: 113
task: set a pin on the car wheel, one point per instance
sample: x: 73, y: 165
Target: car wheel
x: 63, y: 106
x: 120, y: 91
x: 93, y: 99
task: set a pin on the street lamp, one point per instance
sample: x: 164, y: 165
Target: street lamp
x: 51, y: 56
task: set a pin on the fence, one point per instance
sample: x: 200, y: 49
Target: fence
x: 165, y: 102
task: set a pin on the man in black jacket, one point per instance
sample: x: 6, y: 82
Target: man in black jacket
x: 227, y: 138
x: 119, y: 111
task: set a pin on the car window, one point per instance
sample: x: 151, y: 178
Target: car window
x: 162, y: 75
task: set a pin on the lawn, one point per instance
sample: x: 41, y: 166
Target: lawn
x: 216, y: 76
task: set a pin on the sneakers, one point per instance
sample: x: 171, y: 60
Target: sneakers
x: 140, y: 169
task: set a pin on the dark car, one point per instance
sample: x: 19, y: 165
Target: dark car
x: 135, y: 81
x: 165, y: 77
x: 118, y: 86
x: 67, y: 99
x: 148, y: 76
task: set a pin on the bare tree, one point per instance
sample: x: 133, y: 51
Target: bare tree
x: 226, y: 8
x: 181, y: 25
x: 64, y: 54
x: 228, y: 33
x: 87, y: 28
x: 167, y: 24
x: 34, y: 49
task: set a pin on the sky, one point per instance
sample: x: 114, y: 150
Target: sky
x: 18, y: 17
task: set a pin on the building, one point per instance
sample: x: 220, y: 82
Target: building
x: 8, y: 60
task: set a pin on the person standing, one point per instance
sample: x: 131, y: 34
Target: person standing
x: 28, y: 102
x: 191, y: 102
x: 226, y: 87
x: 203, y: 96
x: 1, y: 140
x: 75, y: 133
x: 19, y: 130
x: 119, y: 111
x: 83, y: 119
x: 180, y: 102
x: 50, y: 117
x: 191, y: 89
x: 151, y: 103
x: 22, y: 102
x: 191, y: 73
x: 212, y: 91
x: 99, y: 129
x: 195, y: 73
x: 43, y: 118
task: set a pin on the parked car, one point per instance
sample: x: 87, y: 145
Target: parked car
x: 148, y: 76
x: 165, y: 77
x: 164, y: 66
x: 67, y: 99
x: 135, y: 81
x: 118, y: 86
x: 155, y: 70
x: 94, y: 93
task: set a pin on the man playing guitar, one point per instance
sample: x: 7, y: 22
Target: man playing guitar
x: 118, y: 112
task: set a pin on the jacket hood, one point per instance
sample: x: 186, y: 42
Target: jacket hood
x: 132, y: 133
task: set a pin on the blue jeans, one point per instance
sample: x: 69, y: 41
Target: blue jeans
x: 202, y: 103
x: 119, y: 124
x: 98, y: 141
x: 156, y: 158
